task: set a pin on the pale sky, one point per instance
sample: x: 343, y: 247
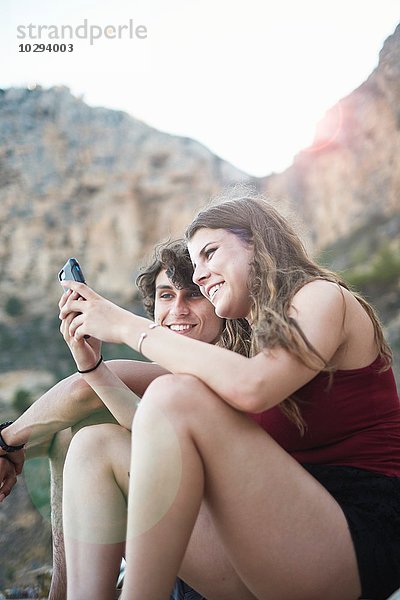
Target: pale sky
x: 249, y: 78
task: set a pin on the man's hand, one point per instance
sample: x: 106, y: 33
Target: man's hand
x: 86, y: 352
x: 17, y: 459
x: 8, y: 475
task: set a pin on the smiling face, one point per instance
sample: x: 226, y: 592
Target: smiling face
x: 222, y: 265
x: 185, y: 311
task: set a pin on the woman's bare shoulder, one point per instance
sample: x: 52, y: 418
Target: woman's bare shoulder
x: 325, y: 304
x: 312, y: 294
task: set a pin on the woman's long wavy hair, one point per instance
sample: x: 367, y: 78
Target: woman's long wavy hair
x: 174, y: 257
x: 279, y: 269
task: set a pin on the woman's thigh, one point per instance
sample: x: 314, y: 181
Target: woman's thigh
x: 206, y: 566
x: 282, y: 532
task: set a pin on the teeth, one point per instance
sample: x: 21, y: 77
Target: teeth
x: 180, y: 327
x: 214, y: 289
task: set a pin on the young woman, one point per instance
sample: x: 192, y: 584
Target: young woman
x: 100, y: 454
x: 293, y: 454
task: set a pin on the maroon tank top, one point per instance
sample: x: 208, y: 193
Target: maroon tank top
x: 354, y: 421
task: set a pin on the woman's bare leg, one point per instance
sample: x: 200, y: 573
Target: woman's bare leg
x: 110, y: 467
x: 206, y: 554
x: 94, y: 510
x: 282, y: 532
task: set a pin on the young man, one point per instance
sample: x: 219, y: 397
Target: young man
x: 72, y: 402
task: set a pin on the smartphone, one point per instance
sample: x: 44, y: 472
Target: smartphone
x: 71, y: 271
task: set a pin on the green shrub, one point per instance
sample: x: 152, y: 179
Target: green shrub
x: 384, y: 269
x: 14, y: 306
x: 37, y: 481
x: 22, y: 400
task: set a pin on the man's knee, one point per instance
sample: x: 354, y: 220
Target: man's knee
x: 92, y: 437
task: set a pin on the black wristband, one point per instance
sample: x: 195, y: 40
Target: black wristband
x: 3, y: 444
x: 93, y: 368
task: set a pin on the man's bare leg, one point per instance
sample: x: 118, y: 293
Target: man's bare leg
x: 96, y: 480
x: 57, y: 453
x: 65, y: 404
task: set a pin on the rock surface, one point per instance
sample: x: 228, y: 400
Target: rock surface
x: 351, y: 173
x: 92, y: 183
x: 103, y: 186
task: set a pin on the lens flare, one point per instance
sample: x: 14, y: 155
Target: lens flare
x: 328, y: 130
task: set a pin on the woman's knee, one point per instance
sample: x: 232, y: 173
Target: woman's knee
x: 184, y: 399
x: 177, y: 396
x: 171, y: 383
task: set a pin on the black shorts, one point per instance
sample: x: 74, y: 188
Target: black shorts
x: 371, y: 505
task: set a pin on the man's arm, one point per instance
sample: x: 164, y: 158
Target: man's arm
x: 72, y: 400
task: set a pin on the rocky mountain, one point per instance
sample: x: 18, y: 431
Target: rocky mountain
x: 351, y: 173
x: 345, y: 188
x: 91, y: 182
x: 99, y: 184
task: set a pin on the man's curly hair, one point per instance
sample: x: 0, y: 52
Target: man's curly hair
x: 175, y: 259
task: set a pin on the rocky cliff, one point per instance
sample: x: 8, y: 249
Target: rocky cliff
x: 351, y: 173
x: 90, y: 182
x: 99, y: 184
x: 345, y: 189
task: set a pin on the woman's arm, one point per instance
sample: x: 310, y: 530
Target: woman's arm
x: 251, y: 385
